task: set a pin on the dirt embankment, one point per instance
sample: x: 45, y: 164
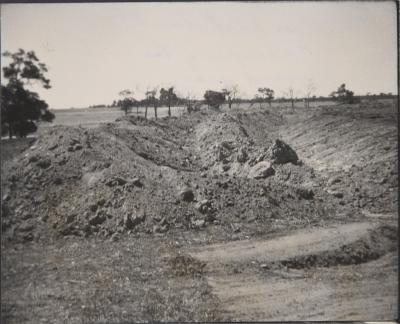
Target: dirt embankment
x: 354, y: 150
x: 136, y: 176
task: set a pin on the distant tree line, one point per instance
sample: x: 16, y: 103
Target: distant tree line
x: 22, y: 109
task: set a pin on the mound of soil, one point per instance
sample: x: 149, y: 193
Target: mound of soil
x: 134, y: 176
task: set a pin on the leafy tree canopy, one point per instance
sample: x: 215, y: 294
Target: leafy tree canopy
x: 214, y: 98
x: 21, y: 108
x: 343, y: 95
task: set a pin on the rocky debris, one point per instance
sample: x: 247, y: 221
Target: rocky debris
x: 199, y: 223
x: 242, y: 155
x: 98, y: 218
x: 261, y: 170
x: 333, y: 180
x: 44, y: 164
x: 221, y: 152
x: 26, y: 226
x: 137, y: 183
x: 33, y: 158
x: 53, y: 147
x: 160, y: 228
x: 203, y: 206
x: 281, y: 153
x: 305, y: 193
x: 186, y: 194
x: 75, y: 145
x: 335, y: 193
x: 116, y: 181
x: 131, y: 221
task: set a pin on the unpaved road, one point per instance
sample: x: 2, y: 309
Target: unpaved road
x: 236, y: 272
x: 302, y: 242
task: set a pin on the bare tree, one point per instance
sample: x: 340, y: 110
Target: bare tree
x: 290, y: 95
x: 147, y: 100
x: 230, y: 93
x: 189, y: 99
x: 309, y: 93
x: 152, y: 99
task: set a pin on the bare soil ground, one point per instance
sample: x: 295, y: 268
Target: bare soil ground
x: 206, y: 217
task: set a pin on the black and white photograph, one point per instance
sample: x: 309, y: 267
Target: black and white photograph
x: 199, y: 161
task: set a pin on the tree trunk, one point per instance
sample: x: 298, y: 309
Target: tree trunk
x: 145, y: 113
x: 155, y: 112
x: 230, y: 104
x: 10, y: 131
x: 292, y: 104
x: 260, y: 105
x: 169, y: 110
x: 137, y: 110
x: 269, y: 103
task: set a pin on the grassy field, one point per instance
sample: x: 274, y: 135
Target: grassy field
x: 92, y: 117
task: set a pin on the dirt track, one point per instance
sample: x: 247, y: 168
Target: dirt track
x: 184, y: 199
x: 253, y: 290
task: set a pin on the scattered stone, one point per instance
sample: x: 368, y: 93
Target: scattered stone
x: 229, y: 203
x: 235, y: 228
x: 186, y: 195
x: 336, y: 194
x: 57, y: 181
x: 199, y: 223
x: 242, y: 155
x: 97, y: 219
x: 203, y: 206
x: 114, y: 237
x: 333, y: 181
x: 116, y: 181
x: 93, y: 207
x: 160, y: 229
x: 305, y: 193
x: 44, y: 164
x: 382, y: 181
x: 136, y: 182
x: 33, y: 158
x: 70, y: 218
x: 281, y: 153
x: 164, y: 221
x: 261, y: 170
x: 26, y: 227
x: 131, y: 221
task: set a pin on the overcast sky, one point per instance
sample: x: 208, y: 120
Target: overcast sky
x: 95, y: 50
